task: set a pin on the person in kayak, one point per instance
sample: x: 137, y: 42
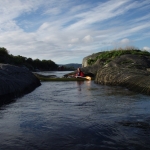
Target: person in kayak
x: 79, y: 73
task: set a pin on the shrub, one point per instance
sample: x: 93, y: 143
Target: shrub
x: 107, y: 56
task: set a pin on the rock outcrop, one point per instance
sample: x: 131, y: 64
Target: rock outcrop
x: 133, y: 79
x: 85, y: 59
x: 15, y: 81
x: 129, y: 70
x: 92, y: 70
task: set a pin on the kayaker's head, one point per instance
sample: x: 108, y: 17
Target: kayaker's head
x: 78, y: 69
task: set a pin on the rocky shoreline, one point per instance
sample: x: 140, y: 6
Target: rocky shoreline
x: 15, y: 82
x: 129, y: 70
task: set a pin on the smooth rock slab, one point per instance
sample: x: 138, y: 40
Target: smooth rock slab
x: 15, y: 81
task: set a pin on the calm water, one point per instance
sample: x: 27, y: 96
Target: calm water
x: 76, y: 116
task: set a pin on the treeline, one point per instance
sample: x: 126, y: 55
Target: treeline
x: 21, y: 61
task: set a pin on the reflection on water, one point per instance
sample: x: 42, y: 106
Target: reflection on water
x: 79, y: 84
x: 76, y: 115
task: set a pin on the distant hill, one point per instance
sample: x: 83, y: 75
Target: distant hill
x: 72, y: 66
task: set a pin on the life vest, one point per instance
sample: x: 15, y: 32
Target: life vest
x: 80, y: 74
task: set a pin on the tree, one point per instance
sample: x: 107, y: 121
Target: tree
x: 28, y: 62
x: 4, y: 51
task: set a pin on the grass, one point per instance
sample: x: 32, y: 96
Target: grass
x: 107, y: 56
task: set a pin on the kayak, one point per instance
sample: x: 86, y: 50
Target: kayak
x: 63, y: 79
x: 54, y: 78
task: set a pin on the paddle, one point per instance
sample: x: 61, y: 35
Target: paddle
x: 87, y: 77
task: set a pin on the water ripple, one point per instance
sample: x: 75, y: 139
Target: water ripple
x: 76, y: 116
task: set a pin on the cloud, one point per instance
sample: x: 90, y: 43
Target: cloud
x: 125, y: 41
x: 98, y: 14
x: 70, y: 29
x: 12, y: 9
x: 54, y: 11
x: 146, y: 48
x: 87, y: 39
x: 122, y: 43
x: 75, y: 40
x: 70, y: 45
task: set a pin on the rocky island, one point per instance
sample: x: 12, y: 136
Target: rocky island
x: 124, y: 67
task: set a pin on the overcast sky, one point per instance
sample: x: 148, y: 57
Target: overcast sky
x: 65, y: 31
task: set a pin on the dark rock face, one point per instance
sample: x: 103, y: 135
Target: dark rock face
x: 15, y: 81
x: 130, y: 71
x: 134, y: 79
x: 93, y: 69
x: 85, y: 59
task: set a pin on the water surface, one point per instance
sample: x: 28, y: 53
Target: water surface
x: 76, y: 116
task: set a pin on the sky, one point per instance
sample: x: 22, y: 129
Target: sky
x: 66, y: 31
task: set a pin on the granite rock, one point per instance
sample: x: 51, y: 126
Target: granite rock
x: 15, y: 81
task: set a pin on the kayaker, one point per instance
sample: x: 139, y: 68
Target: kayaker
x: 79, y: 73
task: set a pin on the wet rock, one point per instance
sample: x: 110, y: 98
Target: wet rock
x: 15, y: 81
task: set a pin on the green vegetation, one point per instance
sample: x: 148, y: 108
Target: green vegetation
x: 107, y: 56
x: 3, y: 51
x: 31, y: 64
